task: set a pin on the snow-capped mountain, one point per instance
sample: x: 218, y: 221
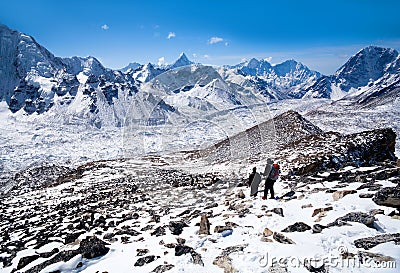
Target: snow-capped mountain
x: 132, y: 66
x: 372, y: 67
x: 182, y: 61
x: 34, y: 80
x: 288, y: 79
x: 146, y: 72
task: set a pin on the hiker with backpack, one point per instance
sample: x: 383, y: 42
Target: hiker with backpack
x: 254, y: 182
x: 271, y: 173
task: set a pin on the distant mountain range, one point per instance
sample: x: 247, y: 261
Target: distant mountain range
x: 33, y: 80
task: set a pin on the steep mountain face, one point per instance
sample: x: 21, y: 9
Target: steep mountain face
x: 289, y: 78
x: 34, y: 80
x: 182, y: 61
x: 23, y: 60
x: 371, y: 67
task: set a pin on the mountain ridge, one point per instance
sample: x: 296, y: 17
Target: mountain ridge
x: 34, y: 80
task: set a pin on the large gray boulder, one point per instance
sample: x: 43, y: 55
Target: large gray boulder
x: 389, y: 197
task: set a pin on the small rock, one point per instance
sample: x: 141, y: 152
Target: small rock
x: 366, y: 195
x: 317, y: 228
x: 231, y: 224
x: 266, y: 240
x: 196, y: 258
x: 162, y: 268
x: 108, y: 236
x: 374, y: 212
x: 280, y: 238
x: 267, y: 232
x: 49, y: 254
x: 307, y: 206
x: 219, y: 229
x: 145, y: 260
x: 181, y: 241
x: 225, y: 262
x: 142, y: 252
x: 319, y: 210
x: 171, y: 245
x: 159, y: 231
x: 241, y: 194
x: 278, y: 211
x: 340, y: 194
x: 297, y: 227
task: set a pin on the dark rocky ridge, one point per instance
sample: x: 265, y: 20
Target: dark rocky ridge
x: 263, y: 138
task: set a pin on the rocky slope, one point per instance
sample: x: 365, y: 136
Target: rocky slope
x: 166, y: 214
x: 263, y: 138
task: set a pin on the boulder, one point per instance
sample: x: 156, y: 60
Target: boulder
x: 204, y: 225
x: 389, y: 197
x: 176, y: 227
x: 92, y: 247
x: 377, y: 258
x: 24, y: 261
x: 360, y: 217
x: 370, y: 242
x: 182, y: 249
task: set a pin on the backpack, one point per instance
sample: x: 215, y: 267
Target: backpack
x: 274, y: 173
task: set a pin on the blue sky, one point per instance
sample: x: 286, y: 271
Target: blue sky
x: 321, y: 34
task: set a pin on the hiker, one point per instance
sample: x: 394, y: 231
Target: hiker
x: 271, y: 173
x: 254, y: 181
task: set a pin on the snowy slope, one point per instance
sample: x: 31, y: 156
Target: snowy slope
x: 143, y: 215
